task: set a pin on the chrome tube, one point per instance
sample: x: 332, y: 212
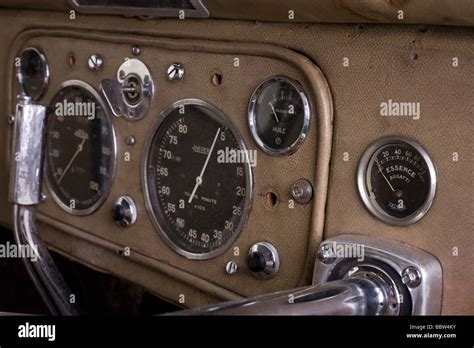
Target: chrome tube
x: 42, y: 269
x: 357, y: 295
x: 25, y: 193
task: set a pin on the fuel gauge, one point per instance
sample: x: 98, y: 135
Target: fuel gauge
x: 279, y: 115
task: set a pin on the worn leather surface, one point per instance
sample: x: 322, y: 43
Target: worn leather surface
x: 381, y: 67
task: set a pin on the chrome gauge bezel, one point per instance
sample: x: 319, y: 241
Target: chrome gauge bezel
x: 108, y: 186
x: 253, y: 114
x: 363, y: 175
x: 21, y: 77
x: 159, y: 226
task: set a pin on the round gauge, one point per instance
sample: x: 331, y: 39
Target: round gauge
x: 279, y: 115
x: 80, y: 150
x: 197, y: 178
x: 397, y: 180
x: 33, y: 74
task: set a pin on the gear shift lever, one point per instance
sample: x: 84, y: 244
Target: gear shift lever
x: 25, y: 193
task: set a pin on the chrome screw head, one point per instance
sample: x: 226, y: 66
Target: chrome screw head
x: 231, y: 267
x: 95, y: 62
x: 411, y: 277
x: 136, y: 50
x: 175, y: 71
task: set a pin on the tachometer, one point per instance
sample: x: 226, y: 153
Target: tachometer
x: 197, y: 178
x: 81, y: 149
x: 397, y: 180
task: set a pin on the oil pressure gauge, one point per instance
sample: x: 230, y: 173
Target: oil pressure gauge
x: 397, y: 180
x: 279, y: 115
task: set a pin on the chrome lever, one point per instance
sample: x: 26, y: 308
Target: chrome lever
x: 25, y: 193
x: 113, y: 93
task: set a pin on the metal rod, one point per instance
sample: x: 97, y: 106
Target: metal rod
x: 349, y: 296
x: 25, y: 193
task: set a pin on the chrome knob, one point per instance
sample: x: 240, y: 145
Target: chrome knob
x: 263, y: 260
x: 124, y: 211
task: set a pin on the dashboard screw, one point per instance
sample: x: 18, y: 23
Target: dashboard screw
x: 411, y: 277
x: 302, y: 191
x: 326, y: 254
x: 231, y: 267
x: 136, y: 50
x: 175, y: 71
x: 95, y: 62
x: 130, y: 140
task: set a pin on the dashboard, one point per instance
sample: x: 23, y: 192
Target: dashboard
x: 207, y: 162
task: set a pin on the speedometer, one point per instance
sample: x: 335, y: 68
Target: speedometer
x: 198, y: 179
x: 81, y: 149
x: 397, y: 180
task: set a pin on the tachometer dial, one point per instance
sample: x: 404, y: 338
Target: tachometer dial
x: 397, y: 180
x: 197, y: 178
x: 279, y: 115
x: 80, y: 149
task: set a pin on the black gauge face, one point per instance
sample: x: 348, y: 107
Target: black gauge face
x: 34, y: 73
x: 198, y: 193
x: 279, y: 115
x: 399, y: 181
x: 80, y: 149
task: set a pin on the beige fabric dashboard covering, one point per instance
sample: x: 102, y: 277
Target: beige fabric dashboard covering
x: 403, y: 63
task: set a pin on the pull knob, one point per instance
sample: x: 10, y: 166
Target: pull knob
x: 263, y: 260
x: 124, y: 211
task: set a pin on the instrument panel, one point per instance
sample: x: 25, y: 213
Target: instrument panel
x: 207, y: 180
x: 159, y: 172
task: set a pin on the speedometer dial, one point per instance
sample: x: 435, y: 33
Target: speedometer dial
x: 198, y: 179
x: 80, y: 154
x: 397, y: 180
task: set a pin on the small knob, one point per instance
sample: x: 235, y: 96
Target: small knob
x: 124, y: 211
x: 263, y: 260
x: 176, y: 71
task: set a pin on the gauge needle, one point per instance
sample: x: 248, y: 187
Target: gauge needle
x: 381, y: 172
x: 78, y: 150
x: 274, y: 113
x: 199, y: 178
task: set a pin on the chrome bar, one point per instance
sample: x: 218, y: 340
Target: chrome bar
x: 25, y: 193
x: 26, y: 170
x: 357, y: 295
